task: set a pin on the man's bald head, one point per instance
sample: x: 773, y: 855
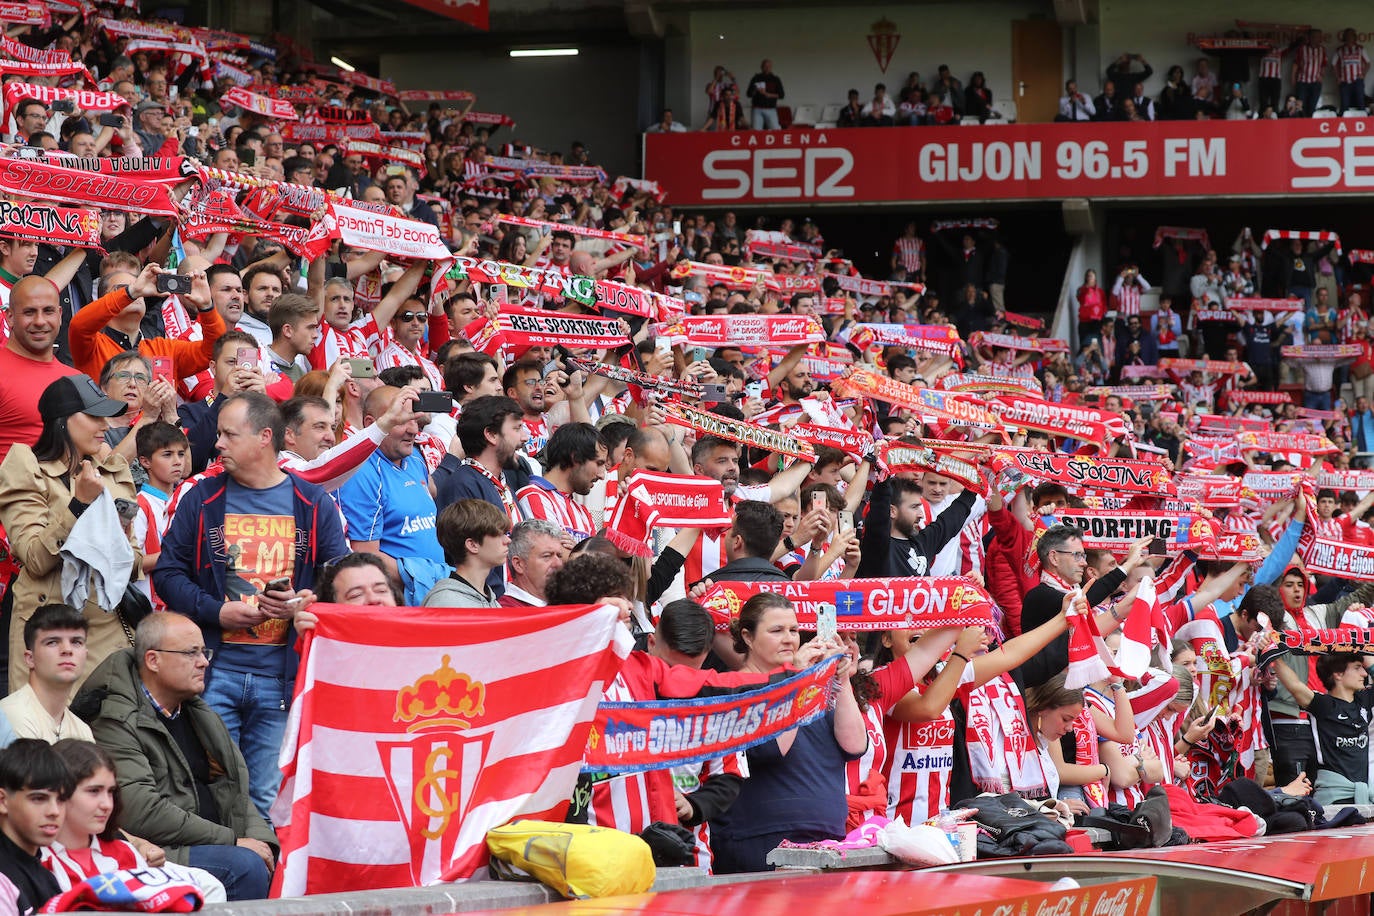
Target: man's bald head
x: 34, y: 285
x: 378, y: 400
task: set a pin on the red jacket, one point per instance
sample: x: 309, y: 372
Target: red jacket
x: 1005, y: 566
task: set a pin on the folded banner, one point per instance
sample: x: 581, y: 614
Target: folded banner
x: 862, y: 286
x: 1253, y: 304
x: 904, y: 458
x: 1117, y: 531
x: 638, y: 241
x: 546, y: 282
x: 781, y: 251
x: 1212, y: 366
x: 974, y: 383
x: 917, y: 603
x: 1085, y: 423
x: 1349, y: 479
x: 26, y: 178
x: 744, y: 433
x: 523, y: 328
x: 85, y: 99
x: 1327, y: 557
x: 1020, y: 344
x: 404, y: 747
x: 639, y: 379
x: 1301, y: 443
x: 682, y: 500
x: 657, y: 734
x: 744, y: 330
x: 1272, y: 485
x: 25, y: 14
x: 1098, y: 476
x: 277, y: 109
x: 1321, y: 351
x: 1224, y: 423
x: 850, y: 441
x: 50, y: 224
x: 1259, y: 397
x: 393, y: 235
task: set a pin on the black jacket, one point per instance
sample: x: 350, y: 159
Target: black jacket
x: 36, y: 885
x: 749, y: 569
x: 884, y: 555
x: 1040, y: 605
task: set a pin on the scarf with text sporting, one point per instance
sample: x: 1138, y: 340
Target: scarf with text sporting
x: 276, y: 109
x: 648, y: 500
x: 1028, y: 322
x: 1209, y: 366
x: 948, y: 407
x: 638, y: 241
x: 85, y: 99
x: 296, y: 132
x: 217, y: 212
x: 1222, y: 423
x: 915, y: 603
x: 41, y: 70
x: 51, y: 224
x: 1299, y: 443
x: 862, y: 286
x: 745, y: 277
x: 631, y: 300
x: 20, y: 51
x: 1084, y: 423
x: 165, y: 170
x: 740, y: 431
x: 631, y: 737
x: 1212, y: 491
x: 522, y: 328
x: 545, y: 282
x: 1345, y: 639
x: 1328, y: 557
x: 744, y: 330
x: 1133, y: 392
x: 1321, y: 351
x: 852, y: 442
x: 904, y: 458
x: 1087, y: 475
x: 1273, y: 485
x: 24, y: 178
x: 1351, y: 479
x: 1020, y: 344
x: 975, y: 383
x: 1181, y: 233
x: 1117, y: 531
x: 636, y: 379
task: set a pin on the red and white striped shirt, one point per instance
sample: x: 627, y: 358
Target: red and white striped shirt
x: 1271, y: 65
x: 921, y: 761
x: 1310, y: 63
x: 910, y: 253
x: 688, y: 779
x: 1351, y: 64
x: 621, y: 802
x: 538, y: 428
x: 106, y: 856
x: 894, y: 682
x: 359, y: 340
x: 1126, y: 296
x: 393, y: 355
x: 539, y: 499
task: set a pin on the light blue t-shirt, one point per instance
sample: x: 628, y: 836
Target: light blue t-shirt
x: 391, y: 505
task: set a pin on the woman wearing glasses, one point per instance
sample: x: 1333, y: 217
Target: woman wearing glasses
x: 128, y: 377
x: 44, y: 488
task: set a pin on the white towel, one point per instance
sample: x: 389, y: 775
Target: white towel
x: 98, y: 553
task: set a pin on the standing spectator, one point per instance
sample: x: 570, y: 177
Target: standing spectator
x: 1126, y: 291
x: 1309, y: 66
x: 728, y: 113
x: 576, y: 460
x: 949, y: 90
x: 233, y: 537
x: 978, y: 98
x: 764, y: 91
x: 27, y: 364
x: 881, y: 111
x: 1176, y: 99
x: 1271, y: 78
x: 1106, y: 105
x: 721, y: 81
x: 1092, y: 308
x: 1167, y: 326
x: 1074, y: 105
x: 908, y: 256
x: 1122, y: 72
x: 1352, y: 66
x: 996, y: 275
x: 852, y: 114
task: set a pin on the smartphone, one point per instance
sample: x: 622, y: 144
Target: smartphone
x: 174, y: 284
x: 64, y: 106
x: 248, y: 357
x: 677, y: 227
x: 127, y: 509
x: 713, y: 394
x: 700, y: 354
x: 110, y: 119
x: 846, y: 521
x: 663, y: 347
x: 754, y: 390
x: 281, y: 584
x: 818, y: 499
x: 827, y: 626
x: 162, y: 369
x: 193, y: 131
x: 248, y: 156
x: 361, y: 367
x: 1157, y: 547
x: 434, y: 402
x: 499, y: 293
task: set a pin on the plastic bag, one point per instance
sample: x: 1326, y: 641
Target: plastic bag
x: 919, y: 845
x: 576, y: 860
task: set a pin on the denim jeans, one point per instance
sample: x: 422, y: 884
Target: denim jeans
x: 1352, y: 96
x: 1310, y: 94
x: 1316, y: 400
x: 254, y: 709
x: 241, y: 871
x: 765, y: 119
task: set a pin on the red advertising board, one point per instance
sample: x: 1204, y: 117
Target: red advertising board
x: 1299, y: 157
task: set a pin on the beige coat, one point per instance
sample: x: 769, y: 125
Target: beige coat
x: 34, y: 510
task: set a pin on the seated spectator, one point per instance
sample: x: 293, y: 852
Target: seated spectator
x: 1144, y: 105
x: 55, y: 654
x: 728, y: 113
x: 1292, y: 108
x: 475, y: 537
x: 949, y: 91
x: 356, y: 578
x: 34, y: 787
x: 666, y: 124
x: 911, y: 107
x: 978, y: 98
x: 1108, y: 107
x: 852, y: 114
x: 1074, y: 105
x: 181, y: 777
x: 1236, y: 107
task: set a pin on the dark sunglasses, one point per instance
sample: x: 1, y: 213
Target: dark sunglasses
x: 411, y: 316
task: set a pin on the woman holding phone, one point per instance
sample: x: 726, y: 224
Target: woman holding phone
x: 44, y: 489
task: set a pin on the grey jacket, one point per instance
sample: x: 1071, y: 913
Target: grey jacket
x: 455, y: 591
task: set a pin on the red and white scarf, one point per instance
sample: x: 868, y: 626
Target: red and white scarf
x: 499, y: 482
x: 1001, y: 749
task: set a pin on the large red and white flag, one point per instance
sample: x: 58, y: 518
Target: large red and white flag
x: 412, y: 736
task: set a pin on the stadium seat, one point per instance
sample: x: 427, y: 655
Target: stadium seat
x: 1007, y: 109
x: 829, y: 115
x: 1324, y: 113
x: 804, y: 116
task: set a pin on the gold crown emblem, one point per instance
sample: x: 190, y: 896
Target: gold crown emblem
x: 443, y: 698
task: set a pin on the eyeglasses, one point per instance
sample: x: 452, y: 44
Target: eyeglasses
x: 411, y: 316
x: 1076, y: 554
x: 125, y: 376
x: 192, y: 654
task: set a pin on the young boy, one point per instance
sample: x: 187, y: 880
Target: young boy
x: 34, y: 787
x: 165, y: 453
x: 55, y: 653
x: 475, y: 536
x: 1340, y: 718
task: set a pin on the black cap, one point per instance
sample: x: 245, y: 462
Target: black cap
x: 77, y: 394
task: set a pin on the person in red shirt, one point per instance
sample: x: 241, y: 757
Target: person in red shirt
x: 27, y: 362
x: 1092, y: 308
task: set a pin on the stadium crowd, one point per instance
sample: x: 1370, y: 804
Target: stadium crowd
x: 240, y: 409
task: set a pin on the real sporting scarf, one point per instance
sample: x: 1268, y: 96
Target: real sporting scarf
x: 1117, y: 531
x: 128, y: 28
x: 490, y: 119
x: 1328, y: 557
x: 1084, y: 423
x: 379, y: 153
x: 1218, y: 451
x: 276, y: 109
x: 25, y: 178
x: 545, y: 282
x: 681, y: 500
x: 1255, y: 304
x: 740, y: 431
x: 1344, y: 640
x: 1020, y: 344
x: 745, y: 277
x: 781, y: 251
x: 862, y: 286
x: 915, y: 603
x: 297, y: 95
x: 1133, y: 392
x: 989, y: 223
x: 20, y: 51
x: 1351, y: 479
x: 1214, y: 491
x: 716, y: 331
x: 1300, y: 443
x: 1092, y: 475
x: 413, y: 139
x: 1212, y: 315
x: 85, y: 99
x: 26, y: 14
x: 975, y: 383
x: 297, y: 199
x: 296, y: 132
x: 944, y: 405
x: 631, y: 300
x: 904, y: 458
x: 522, y: 328
x: 850, y: 441
x: 1273, y: 485
x: 935, y: 338
x: 169, y: 170
x: 370, y: 83
x: 1225, y: 423
x: 46, y: 70
x: 50, y: 224
x: 1182, y: 234
x: 637, y: 241
x: 631, y: 737
x: 1211, y: 366
x: 439, y: 95
x: 533, y: 169
x: 666, y: 386
x: 392, y: 235
x: 1321, y: 351
x: 1259, y: 397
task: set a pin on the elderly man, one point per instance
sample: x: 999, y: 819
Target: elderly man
x: 536, y: 551
x: 182, y: 780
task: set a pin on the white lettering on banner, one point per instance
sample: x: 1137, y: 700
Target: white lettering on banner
x: 997, y: 161
x: 1348, y: 159
x: 1204, y: 157
x: 820, y: 173
x: 1116, y: 905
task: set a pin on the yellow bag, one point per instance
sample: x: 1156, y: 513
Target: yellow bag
x: 576, y: 860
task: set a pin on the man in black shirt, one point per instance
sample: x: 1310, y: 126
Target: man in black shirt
x: 34, y: 787
x: 749, y: 545
x: 764, y: 91
x: 896, y: 540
